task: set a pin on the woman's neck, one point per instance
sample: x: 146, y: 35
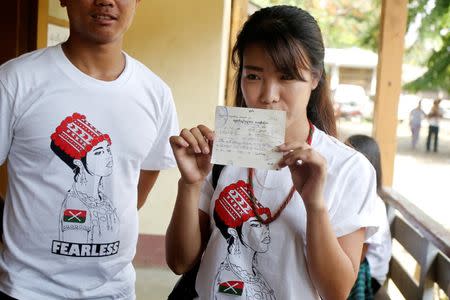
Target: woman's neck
x: 88, y: 184
x: 297, y: 131
x: 244, y: 258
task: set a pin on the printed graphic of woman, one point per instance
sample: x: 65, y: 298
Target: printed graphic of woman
x: 246, y: 237
x: 87, y: 215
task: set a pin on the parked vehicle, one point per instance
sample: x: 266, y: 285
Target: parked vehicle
x: 350, y: 101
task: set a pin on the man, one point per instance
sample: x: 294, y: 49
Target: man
x: 434, y: 117
x: 85, y: 130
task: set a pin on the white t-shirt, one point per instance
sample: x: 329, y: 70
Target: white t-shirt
x: 244, y: 257
x: 75, y: 147
x: 416, y: 116
x: 379, y: 250
x: 434, y: 121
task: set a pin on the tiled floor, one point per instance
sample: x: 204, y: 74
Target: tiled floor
x: 154, y: 283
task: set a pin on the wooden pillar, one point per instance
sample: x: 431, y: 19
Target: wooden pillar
x: 239, y: 14
x: 390, y: 58
x: 42, y: 24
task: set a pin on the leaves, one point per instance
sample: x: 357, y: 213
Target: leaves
x: 344, y: 23
x: 347, y: 23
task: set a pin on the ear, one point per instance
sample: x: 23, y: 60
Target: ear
x: 78, y: 163
x: 233, y: 233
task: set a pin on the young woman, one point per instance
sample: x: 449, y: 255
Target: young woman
x: 318, y: 204
x: 377, y: 250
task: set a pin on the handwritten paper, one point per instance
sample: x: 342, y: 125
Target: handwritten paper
x: 247, y: 137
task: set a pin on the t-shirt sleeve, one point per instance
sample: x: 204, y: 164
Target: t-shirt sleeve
x: 6, y: 122
x: 380, y: 236
x: 206, y: 194
x: 355, y: 203
x: 161, y: 156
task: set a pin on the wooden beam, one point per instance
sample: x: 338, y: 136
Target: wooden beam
x: 58, y: 21
x: 42, y: 26
x: 390, y: 57
x: 239, y: 15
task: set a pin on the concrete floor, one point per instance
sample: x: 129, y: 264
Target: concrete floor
x: 154, y: 283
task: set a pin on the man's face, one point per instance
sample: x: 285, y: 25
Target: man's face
x: 99, y: 21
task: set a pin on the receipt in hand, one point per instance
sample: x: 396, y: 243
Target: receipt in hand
x: 247, y: 137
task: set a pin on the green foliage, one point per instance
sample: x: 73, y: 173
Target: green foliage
x: 433, y: 44
x: 437, y: 76
x: 347, y: 23
x: 343, y: 22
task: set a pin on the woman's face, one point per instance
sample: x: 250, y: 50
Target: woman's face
x: 255, y: 235
x: 264, y: 86
x: 99, y: 160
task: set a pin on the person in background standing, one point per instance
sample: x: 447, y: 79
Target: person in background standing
x: 415, y: 123
x: 434, y: 118
x: 377, y: 249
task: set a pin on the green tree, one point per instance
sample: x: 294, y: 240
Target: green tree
x: 433, y: 39
x: 346, y: 23
x: 343, y: 22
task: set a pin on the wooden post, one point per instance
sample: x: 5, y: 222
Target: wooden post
x: 42, y: 26
x: 239, y: 15
x: 390, y: 57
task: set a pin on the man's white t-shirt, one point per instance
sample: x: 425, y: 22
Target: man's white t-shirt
x: 416, y: 116
x: 434, y: 121
x: 71, y: 234
x: 249, y: 260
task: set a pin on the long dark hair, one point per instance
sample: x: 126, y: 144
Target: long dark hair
x: 292, y: 38
x: 69, y: 160
x: 369, y: 148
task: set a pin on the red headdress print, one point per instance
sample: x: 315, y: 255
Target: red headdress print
x: 76, y: 136
x: 233, y: 205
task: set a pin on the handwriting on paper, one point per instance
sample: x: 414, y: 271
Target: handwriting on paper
x: 247, y: 137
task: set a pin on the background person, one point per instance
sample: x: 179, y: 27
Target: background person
x: 72, y: 233
x: 377, y: 249
x: 321, y: 208
x: 415, y: 123
x: 434, y: 118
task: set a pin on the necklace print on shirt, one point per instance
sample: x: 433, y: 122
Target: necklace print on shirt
x: 254, y: 200
x: 88, y: 220
x: 244, y: 223
x: 246, y: 238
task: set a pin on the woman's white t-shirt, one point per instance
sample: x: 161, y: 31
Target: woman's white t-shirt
x: 278, y: 266
x: 379, y: 250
